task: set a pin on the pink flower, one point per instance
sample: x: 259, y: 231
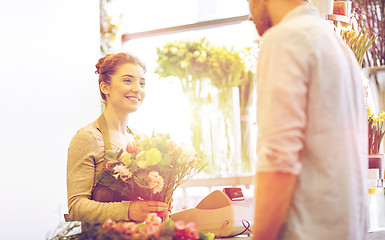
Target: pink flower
x: 131, y: 147
x: 179, y: 227
x: 126, y: 228
x: 183, y: 231
x: 119, y: 227
x: 109, y: 225
x: 109, y: 163
x: 155, y: 181
x: 151, y: 230
x: 122, y: 171
x: 163, y: 213
x: 152, y: 227
x: 153, y: 219
x: 191, y: 231
x: 129, y: 228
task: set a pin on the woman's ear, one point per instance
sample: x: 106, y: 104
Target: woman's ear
x: 104, y: 88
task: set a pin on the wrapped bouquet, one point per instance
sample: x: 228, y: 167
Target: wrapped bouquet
x: 150, y: 168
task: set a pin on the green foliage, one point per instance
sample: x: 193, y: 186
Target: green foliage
x: 208, y: 236
x: 107, y: 178
x: 186, y: 60
x: 192, y: 61
x: 167, y: 228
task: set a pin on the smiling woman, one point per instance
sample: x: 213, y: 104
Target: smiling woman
x: 122, y: 87
x: 124, y: 83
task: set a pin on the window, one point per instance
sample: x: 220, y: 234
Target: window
x: 145, y: 26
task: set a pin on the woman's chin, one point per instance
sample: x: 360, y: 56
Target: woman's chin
x: 132, y: 109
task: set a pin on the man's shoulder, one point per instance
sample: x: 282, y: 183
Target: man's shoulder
x: 300, y: 31
x: 299, y: 25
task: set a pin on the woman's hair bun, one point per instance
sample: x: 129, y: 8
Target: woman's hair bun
x: 99, y: 68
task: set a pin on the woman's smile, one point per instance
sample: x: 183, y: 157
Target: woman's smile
x: 133, y: 99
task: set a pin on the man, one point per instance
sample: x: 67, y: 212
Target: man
x: 312, y: 138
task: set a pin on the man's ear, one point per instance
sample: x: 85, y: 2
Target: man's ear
x: 104, y: 88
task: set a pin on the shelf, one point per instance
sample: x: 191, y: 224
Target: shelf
x: 338, y: 18
x: 375, y: 183
x: 378, y: 235
x: 219, y: 181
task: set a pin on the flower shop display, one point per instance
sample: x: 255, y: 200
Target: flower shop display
x: 151, y: 168
x: 368, y: 14
x: 359, y: 42
x: 153, y: 228
x: 375, y: 135
x: 376, y: 131
x: 218, y: 83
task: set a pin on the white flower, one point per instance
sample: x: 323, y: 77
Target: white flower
x: 122, y: 171
x: 196, y: 53
x: 142, y: 164
x: 183, y: 64
x: 173, y: 50
x: 188, y: 154
x: 155, y: 181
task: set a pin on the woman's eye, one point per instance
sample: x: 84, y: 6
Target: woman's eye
x: 127, y: 80
x: 142, y: 84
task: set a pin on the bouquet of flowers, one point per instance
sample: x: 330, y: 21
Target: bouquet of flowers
x: 375, y: 131
x: 193, y: 61
x: 151, y: 168
x: 359, y: 42
x: 151, y: 229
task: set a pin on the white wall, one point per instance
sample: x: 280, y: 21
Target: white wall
x: 48, y: 50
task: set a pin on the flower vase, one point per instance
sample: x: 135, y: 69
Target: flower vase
x: 221, y: 131
x: 376, y: 166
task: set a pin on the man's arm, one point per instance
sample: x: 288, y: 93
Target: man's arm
x: 273, y: 195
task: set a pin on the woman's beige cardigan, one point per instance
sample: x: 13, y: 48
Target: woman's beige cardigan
x: 85, y: 160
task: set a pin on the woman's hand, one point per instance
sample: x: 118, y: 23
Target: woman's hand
x: 140, y: 209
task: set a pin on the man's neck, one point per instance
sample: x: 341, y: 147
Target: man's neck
x: 278, y: 9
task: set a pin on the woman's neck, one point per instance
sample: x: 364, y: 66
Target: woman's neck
x: 116, y: 121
